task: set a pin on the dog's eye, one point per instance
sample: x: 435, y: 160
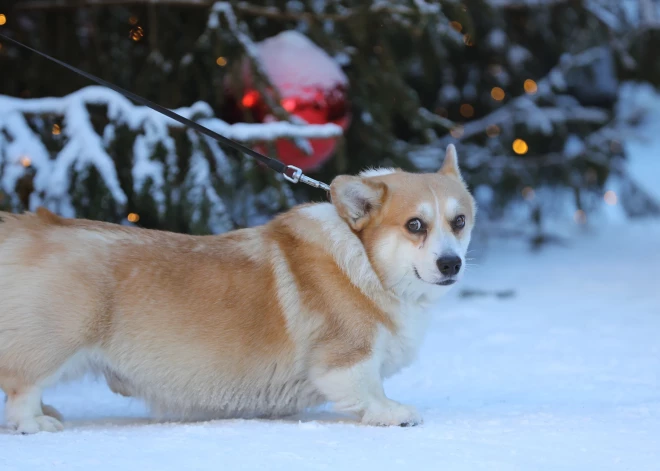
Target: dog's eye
x: 458, y: 223
x: 415, y: 225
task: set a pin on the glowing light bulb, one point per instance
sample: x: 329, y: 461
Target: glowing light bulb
x: 610, y: 197
x: 457, y: 132
x: 467, y: 110
x: 497, y: 94
x: 493, y: 130
x: 520, y: 147
x: 530, y: 86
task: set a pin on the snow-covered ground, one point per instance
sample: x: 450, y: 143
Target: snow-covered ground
x: 565, y: 374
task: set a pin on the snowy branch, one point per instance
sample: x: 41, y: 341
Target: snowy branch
x: 518, y: 4
x: 84, y: 148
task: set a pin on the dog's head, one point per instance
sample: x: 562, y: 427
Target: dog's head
x: 415, y: 227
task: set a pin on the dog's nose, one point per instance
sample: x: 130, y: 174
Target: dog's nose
x: 449, y: 265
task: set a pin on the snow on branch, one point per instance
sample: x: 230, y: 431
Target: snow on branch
x: 83, y: 148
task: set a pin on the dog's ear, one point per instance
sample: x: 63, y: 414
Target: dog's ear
x: 450, y: 164
x: 357, y: 199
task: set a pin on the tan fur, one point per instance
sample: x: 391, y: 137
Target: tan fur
x: 254, y: 322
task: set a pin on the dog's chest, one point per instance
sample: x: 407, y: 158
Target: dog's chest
x: 400, y: 349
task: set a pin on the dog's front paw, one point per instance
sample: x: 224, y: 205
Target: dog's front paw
x: 391, y: 413
x: 40, y: 423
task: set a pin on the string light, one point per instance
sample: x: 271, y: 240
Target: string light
x: 520, y: 147
x: 56, y: 130
x: 457, y: 132
x: 3, y: 19
x: 289, y: 104
x: 497, y: 93
x: 133, y: 217
x: 530, y: 86
x: 467, y: 110
x: 610, y: 197
x: 133, y: 20
x: 456, y: 25
x: 26, y: 161
x: 136, y: 34
x: 528, y: 193
x: 580, y: 216
x: 493, y: 130
x: 250, y: 99
x: 221, y: 61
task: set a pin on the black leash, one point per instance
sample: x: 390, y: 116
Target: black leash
x: 290, y: 172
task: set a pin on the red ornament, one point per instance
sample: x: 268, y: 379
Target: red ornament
x: 312, y: 87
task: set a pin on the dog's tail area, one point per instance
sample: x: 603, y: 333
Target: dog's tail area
x: 11, y: 223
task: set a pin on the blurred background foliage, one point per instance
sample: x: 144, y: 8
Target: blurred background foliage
x: 527, y: 90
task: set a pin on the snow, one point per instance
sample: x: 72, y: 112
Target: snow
x: 573, y: 146
x: 518, y: 55
x: 297, y: 66
x: 523, y: 3
x: 563, y: 374
x: 497, y: 39
x: 449, y: 93
x: 638, y: 111
x: 200, y: 187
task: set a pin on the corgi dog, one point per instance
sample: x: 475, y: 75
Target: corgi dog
x: 319, y: 305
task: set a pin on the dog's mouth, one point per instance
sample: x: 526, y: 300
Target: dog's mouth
x: 445, y: 282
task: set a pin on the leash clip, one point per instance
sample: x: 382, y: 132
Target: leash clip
x: 297, y: 176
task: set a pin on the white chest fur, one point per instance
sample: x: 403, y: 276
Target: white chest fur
x: 400, y: 349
